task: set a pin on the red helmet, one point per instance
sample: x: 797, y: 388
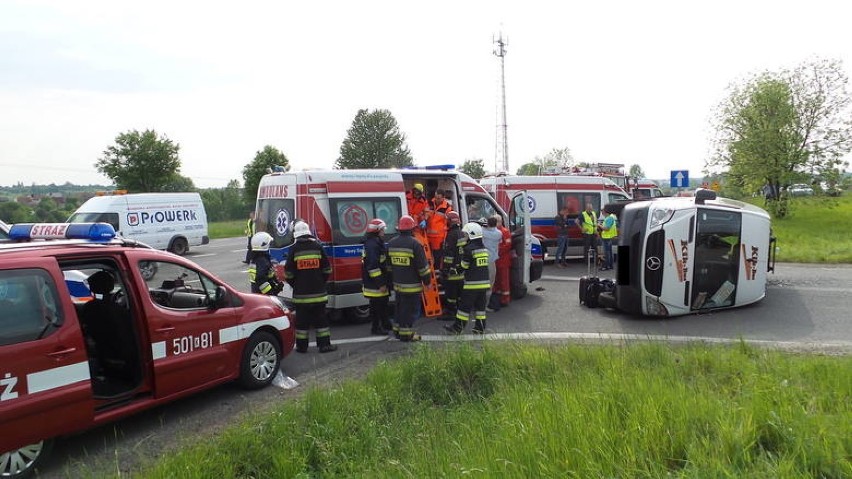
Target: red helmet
x: 406, y: 223
x: 376, y: 225
x: 454, y: 218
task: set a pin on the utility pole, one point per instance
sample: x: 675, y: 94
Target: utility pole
x: 501, y: 156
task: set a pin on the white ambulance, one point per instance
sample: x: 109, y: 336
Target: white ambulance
x: 686, y: 255
x: 168, y: 221
x: 546, y: 195
x: 338, y: 204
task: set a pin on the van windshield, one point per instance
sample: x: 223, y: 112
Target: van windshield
x: 111, y: 218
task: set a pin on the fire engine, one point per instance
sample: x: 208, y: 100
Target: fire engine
x: 547, y: 195
x: 687, y: 255
x: 86, y: 339
x: 338, y: 204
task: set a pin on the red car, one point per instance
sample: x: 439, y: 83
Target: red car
x: 72, y: 359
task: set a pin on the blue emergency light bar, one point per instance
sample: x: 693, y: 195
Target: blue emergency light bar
x: 84, y: 231
x: 430, y: 167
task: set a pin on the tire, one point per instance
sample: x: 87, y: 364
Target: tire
x: 179, y: 246
x: 358, y: 314
x: 148, y: 269
x: 261, y: 360
x: 23, y: 462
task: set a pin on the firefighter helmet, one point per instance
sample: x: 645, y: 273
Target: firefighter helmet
x: 376, y: 225
x: 454, y: 218
x: 418, y: 187
x: 406, y: 223
x: 301, y: 229
x: 261, y: 241
x: 473, y: 230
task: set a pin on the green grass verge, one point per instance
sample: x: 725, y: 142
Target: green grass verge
x: 817, y: 230
x: 501, y: 410
x: 226, y: 229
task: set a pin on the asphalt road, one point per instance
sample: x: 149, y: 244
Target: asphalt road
x: 804, y: 303
x: 806, y: 308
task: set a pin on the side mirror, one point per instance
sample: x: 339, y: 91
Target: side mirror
x: 220, y: 298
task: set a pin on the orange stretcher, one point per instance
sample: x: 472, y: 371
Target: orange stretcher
x: 431, y: 297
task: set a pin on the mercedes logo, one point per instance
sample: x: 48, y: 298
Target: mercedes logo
x: 653, y: 263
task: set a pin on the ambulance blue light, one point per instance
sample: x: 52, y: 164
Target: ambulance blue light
x: 84, y: 231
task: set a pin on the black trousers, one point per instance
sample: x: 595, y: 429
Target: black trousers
x: 407, y: 310
x: 379, y: 312
x: 472, y: 301
x: 452, y: 291
x: 589, y: 242
x: 311, y: 315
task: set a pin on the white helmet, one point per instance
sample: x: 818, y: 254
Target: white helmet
x: 473, y: 230
x: 301, y: 229
x: 261, y: 241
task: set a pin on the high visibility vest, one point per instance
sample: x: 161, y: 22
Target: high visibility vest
x: 589, y: 223
x: 612, y: 232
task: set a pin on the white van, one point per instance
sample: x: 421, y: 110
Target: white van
x: 169, y: 221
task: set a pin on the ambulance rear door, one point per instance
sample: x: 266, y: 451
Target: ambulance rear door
x: 519, y: 225
x: 276, y: 210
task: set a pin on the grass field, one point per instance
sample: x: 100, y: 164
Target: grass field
x: 226, y: 229
x: 815, y: 231
x: 508, y: 410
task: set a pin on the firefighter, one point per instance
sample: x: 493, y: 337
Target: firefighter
x: 249, y: 235
x: 417, y: 204
x: 451, y: 273
x: 411, y: 272
x: 261, y: 272
x: 307, y: 269
x: 375, y: 276
x: 474, y: 294
x: 436, y: 225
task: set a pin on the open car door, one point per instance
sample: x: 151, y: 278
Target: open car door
x: 519, y: 225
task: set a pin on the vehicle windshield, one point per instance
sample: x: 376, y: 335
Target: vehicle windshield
x: 92, y: 217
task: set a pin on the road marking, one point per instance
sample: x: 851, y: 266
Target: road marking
x: 238, y: 250
x: 609, y: 337
x: 202, y: 255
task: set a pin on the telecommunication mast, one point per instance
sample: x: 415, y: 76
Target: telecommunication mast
x: 501, y: 153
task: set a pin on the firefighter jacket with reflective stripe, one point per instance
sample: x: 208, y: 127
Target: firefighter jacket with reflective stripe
x: 262, y: 276
x: 505, y: 247
x: 375, y: 268
x: 436, y: 224
x: 307, y: 270
x: 612, y: 230
x: 409, y: 267
x: 475, y: 265
x: 453, y: 246
x: 589, y: 222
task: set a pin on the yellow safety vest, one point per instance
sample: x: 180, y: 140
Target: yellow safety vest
x: 589, y: 223
x: 612, y: 232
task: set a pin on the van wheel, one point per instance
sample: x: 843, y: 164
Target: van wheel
x: 179, y: 246
x: 261, y: 360
x: 23, y: 462
x: 148, y: 269
x: 358, y: 314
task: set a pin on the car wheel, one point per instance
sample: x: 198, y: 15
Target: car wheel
x: 179, y: 246
x: 261, y: 360
x: 148, y: 269
x: 22, y: 462
x: 358, y: 314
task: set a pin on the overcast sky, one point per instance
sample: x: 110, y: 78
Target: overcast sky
x: 618, y: 81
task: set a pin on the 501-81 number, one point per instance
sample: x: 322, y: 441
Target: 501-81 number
x: 190, y: 343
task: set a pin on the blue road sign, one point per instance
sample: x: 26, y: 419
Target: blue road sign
x: 680, y: 179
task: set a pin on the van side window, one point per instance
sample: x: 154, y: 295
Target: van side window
x: 479, y: 207
x: 349, y: 217
x: 275, y: 216
x: 111, y: 218
x: 29, y: 305
x: 178, y: 287
x: 614, y: 197
x: 576, y: 202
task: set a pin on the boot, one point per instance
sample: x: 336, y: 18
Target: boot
x: 479, y: 327
x: 377, y: 328
x: 455, y: 328
x: 301, y: 345
x: 327, y: 348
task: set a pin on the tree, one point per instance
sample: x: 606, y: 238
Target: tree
x: 475, y: 168
x: 374, y: 141
x: 140, y: 162
x: 557, y: 160
x: 178, y: 183
x: 782, y: 128
x: 263, y: 162
x: 636, y: 172
x: 226, y: 203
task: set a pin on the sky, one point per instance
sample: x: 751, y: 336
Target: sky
x: 632, y: 82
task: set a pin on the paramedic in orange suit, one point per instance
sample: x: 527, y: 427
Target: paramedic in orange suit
x: 417, y: 204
